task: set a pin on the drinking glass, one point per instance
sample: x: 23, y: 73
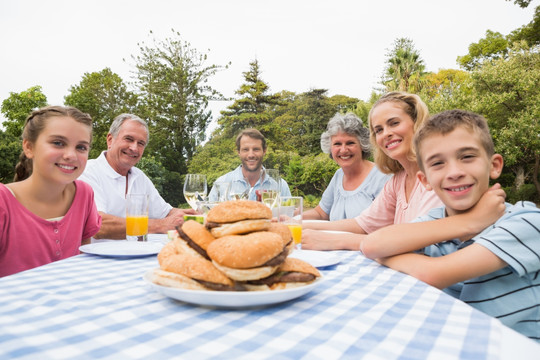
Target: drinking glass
x: 270, y: 188
x: 195, y: 189
x: 222, y: 189
x: 290, y: 214
x: 238, y: 191
x: 137, y: 217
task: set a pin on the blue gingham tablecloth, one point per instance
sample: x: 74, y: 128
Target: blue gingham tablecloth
x: 91, y: 307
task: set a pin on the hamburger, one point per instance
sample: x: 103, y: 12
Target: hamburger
x: 188, y: 270
x: 291, y: 273
x: 195, y: 236
x: 248, y: 257
x: 285, y: 233
x: 238, y: 217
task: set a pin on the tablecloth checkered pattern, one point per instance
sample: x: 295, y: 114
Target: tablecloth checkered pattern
x: 91, y: 307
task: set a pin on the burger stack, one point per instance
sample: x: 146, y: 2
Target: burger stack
x: 238, y: 249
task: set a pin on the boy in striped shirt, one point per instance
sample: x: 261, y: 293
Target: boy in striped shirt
x: 477, y: 247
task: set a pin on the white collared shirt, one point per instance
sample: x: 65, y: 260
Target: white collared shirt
x: 110, y: 188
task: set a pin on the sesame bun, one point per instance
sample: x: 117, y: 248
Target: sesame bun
x: 170, y: 279
x: 191, y: 265
x: 198, y: 233
x: 236, y: 210
x: 246, y: 251
x: 283, y: 231
x: 240, y: 227
x: 296, y: 265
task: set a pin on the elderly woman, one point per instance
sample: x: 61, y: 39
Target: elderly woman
x: 358, y: 181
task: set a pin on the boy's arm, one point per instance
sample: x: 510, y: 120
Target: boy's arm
x: 441, y: 272
x: 404, y: 238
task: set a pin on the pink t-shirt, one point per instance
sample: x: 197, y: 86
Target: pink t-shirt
x: 391, y: 207
x: 28, y: 241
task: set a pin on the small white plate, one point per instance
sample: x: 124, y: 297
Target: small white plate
x: 231, y: 299
x: 316, y: 258
x: 122, y: 248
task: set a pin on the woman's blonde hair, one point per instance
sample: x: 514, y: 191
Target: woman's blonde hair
x: 413, y: 106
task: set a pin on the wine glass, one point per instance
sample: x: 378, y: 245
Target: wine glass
x: 222, y: 189
x: 195, y: 189
x: 270, y: 188
x: 238, y: 190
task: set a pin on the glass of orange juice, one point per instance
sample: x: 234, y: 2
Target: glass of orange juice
x: 137, y: 217
x: 290, y: 214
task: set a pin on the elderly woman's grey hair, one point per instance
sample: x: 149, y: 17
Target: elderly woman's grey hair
x: 349, y: 124
x: 120, y: 119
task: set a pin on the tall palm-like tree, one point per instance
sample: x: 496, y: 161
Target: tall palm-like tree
x: 405, y: 68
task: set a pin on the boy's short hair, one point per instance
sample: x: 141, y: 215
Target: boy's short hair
x: 449, y: 120
x: 252, y: 133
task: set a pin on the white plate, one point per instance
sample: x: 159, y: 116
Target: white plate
x: 231, y: 299
x: 316, y: 258
x: 122, y: 248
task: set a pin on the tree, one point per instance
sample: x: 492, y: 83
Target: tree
x: 172, y: 78
x: 10, y: 148
x: 507, y: 93
x: 250, y: 109
x: 447, y: 89
x: 522, y: 3
x: 405, y: 68
x: 530, y: 32
x: 18, y: 106
x: 494, y: 46
x: 103, y: 95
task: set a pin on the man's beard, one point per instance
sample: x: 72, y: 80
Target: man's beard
x: 251, y: 169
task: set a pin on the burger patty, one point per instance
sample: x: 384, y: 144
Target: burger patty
x: 284, y: 277
x: 211, y: 225
x: 192, y: 243
x: 277, y: 260
x: 221, y: 287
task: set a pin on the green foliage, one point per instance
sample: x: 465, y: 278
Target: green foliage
x: 447, y: 89
x: 318, y: 171
x: 18, y: 106
x: 494, y: 46
x: 250, y: 109
x: 10, y: 148
x: 168, y: 183
x: 104, y: 96
x: 507, y: 93
x: 172, y: 78
x: 216, y: 158
x: 529, y: 33
x: 404, y: 69
x: 526, y: 192
x: 522, y: 3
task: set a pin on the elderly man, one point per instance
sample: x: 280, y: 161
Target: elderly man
x: 251, y: 148
x: 113, y: 175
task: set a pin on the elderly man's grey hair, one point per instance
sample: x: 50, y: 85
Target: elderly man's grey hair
x: 349, y: 124
x: 120, y: 119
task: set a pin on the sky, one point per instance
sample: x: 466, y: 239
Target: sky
x: 338, y: 45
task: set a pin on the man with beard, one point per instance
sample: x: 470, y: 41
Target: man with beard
x: 113, y: 175
x: 250, y: 176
